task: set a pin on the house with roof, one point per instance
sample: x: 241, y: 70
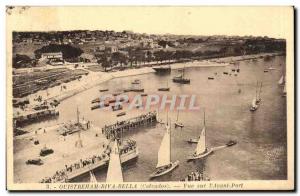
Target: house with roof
x: 87, y: 58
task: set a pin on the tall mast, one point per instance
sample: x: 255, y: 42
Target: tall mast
x: 177, y: 115
x: 77, y: 115
x: 204, y: 127
x: 260, y: 89
x: 167, y: 117
x: 256, y: 90
x: 170, y: 141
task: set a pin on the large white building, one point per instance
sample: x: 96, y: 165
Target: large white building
x: 52, y: 56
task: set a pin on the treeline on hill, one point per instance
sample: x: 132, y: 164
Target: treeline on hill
x: 23, y: 61
x: 140, y: 56
x: 69, y: 52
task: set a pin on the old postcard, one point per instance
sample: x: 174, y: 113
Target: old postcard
x: 150, y: 98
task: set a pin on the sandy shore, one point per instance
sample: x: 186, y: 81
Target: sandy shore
x: 96, y: 78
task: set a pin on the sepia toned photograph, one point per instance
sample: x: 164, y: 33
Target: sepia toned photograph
x: 150, y: 98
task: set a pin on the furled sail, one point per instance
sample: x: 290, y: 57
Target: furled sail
x: 163, y: 157
x: 114, y: 173
x: 201, y: 146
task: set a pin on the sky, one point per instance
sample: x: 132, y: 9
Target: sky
x: 256, y: 21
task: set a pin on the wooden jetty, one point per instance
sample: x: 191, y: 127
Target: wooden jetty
x: 115, y: 130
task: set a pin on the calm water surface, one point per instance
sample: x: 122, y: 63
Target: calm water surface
x: 261, y: 150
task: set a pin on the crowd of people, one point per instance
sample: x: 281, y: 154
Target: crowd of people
x: 112, y: 130
x: 196, y: 176
x: 62, y: 175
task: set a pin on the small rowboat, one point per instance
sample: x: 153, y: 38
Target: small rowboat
x: 121, y: 114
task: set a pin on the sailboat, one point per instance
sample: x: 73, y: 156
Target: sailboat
x: 164, y: 164
x: 92, y: 178
x: 284, y: 91
x: 256, y: 100
x: 201, y: 150
x: 254, y: 105
x: 281, y: 80
x: 180, y: 79
x: 164, y: 88
x: 178, y: 124
x: 114, y: 172
x: 271, y: 68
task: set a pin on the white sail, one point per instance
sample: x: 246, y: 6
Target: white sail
x: 92, y: 177
x: 201, y: 146
x: 281, y: 80
x: 164, y: 152
x: 114, y: 172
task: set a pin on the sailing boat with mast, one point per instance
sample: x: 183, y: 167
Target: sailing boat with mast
x: 257, y: 99
x: 284, y: 91
x: 281, y: 80
x: 114, y: 172
x: 177, y: 123
x: 180, y: 79
x: 165, y: 88
x: 164, y: 164
x: 201, y: 150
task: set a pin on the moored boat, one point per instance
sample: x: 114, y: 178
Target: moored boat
x: 136, y: 81
x: 231, y: 143
x: 162, y: 69
x: 192, y: 141
x: 164, y: 88
x: 103, y: 90
x: 180, y: 79
x: 117, y: 107
x: 121, y: 114
x: 177, y: 123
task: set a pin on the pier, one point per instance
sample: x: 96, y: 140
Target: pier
x: 115, y: 130
x: 34, y: 115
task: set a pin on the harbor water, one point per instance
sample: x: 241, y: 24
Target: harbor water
x: 261, y: 151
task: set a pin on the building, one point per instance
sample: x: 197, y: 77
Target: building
x: 52, y: 56
x: 87, y: 58
x: 111, y: 49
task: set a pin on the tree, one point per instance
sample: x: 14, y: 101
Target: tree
x: 119, y: 57
x: 22, y: 61
x: 105, y: 62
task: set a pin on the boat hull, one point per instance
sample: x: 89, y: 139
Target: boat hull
x: 200, y: 156
x: 162, y: 70
x: 164, y: 89
x: 181, y: 81
x: 193, y: 141
x: 179, y: 125
x: 155, y: 174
